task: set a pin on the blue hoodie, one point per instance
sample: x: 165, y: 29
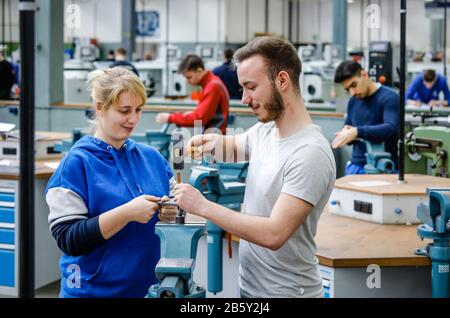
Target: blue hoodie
x: 94, y: 178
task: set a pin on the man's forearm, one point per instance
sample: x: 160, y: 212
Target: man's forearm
x: 255, y: 229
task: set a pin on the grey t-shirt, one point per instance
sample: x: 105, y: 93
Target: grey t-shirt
x: 301, y: 165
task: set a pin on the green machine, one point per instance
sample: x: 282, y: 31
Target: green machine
x: 427, y: 151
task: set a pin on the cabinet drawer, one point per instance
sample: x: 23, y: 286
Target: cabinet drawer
x: 6, y: 215
x: 7, y: 199
x: 7, y: 271
x: 6, y: 236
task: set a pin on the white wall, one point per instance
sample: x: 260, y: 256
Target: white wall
x: 190, y: 21
x: 11, y: 31
x: 417, y: 25
x: 278, y: 18
x: 235, y: 21
x: 316, y: 21
x: 101, y: 19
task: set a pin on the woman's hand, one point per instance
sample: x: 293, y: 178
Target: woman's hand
x: 142, y: 208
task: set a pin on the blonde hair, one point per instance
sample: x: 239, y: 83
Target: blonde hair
x: 105, y: 87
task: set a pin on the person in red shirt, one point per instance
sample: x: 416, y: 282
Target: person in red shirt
x: 213, y: 106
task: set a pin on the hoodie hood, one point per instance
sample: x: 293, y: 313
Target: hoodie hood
x: 100, y: 147
x: 122, y: 158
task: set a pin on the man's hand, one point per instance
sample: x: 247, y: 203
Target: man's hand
x: 413, y: 102
x: 345, y: 136
x: 435, y: 103
x: 190, y: 199
x: 162, y: 118
x: 198, y: 147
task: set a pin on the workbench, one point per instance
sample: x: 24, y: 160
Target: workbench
x: 351, y: 251
x: 47, y: 253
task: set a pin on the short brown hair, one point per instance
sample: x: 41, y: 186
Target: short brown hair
x: 121, y: 51
x: 279, y: 55
x: 429, y: 76
x: 190, y: 62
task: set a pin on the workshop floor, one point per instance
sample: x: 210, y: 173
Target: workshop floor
x: 49, y: 291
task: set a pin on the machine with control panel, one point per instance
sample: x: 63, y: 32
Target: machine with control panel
x: 382, y: 68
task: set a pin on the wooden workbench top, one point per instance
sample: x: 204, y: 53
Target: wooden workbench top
x: 348, y: 242
x: 387, y: 184
x: 6, y: 103
x: 44, y: 168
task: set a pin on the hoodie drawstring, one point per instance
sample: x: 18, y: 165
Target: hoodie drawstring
x: 121, y: 172
x: 133, y: 168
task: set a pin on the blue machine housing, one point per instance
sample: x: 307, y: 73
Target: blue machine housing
x: 223, y: 183
x: 436, y: 218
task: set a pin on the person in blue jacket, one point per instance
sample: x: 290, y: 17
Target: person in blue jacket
x: 102, y: 197
x: 426, y: 88
x: 373, y: 115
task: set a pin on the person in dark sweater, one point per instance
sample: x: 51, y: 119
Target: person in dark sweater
x: 6, y: 77
x: 372, y: 115
x: 121, y: 61
x: 228, y: 74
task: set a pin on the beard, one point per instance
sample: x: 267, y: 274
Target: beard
x: 274, y: 106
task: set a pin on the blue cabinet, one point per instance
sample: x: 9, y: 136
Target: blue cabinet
x: 6, y: 236
x: 6, y: 215
x: 7, y: 271
x: 6, y: 197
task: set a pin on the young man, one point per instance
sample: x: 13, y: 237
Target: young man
x: 425, y: 89
x: 372, y: 115
x: 290, y: 177
x: 121, y: 61
x: 228, y: 75
x: 213, y: 106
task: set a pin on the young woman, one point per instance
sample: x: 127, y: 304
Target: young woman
x: 102, y: 197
